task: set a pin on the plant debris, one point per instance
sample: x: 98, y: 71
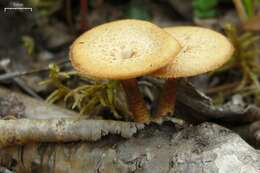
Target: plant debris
x: 85, y: 97
x: 246, y: 63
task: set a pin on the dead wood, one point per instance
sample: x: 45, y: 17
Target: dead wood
x: 206, y: 148
x: 250, y: 132
x: 37, y: 109
x: 192, y: 105
x: 10, y: 106
x: 153, y: 149
x: 49, y: 123
x: 190, y: 102
x: 198, y: 107
x: 22, y: 131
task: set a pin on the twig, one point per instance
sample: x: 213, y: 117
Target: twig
x: 14, y: 74
x: 4, y: 64
x: 11, y: 75
x: 22, y: 131
x: 222, y: 88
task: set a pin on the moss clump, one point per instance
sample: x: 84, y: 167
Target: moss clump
x: 85, y: 97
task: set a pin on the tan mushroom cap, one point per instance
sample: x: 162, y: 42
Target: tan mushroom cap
x: 123, y: 49
x: 203, y: 50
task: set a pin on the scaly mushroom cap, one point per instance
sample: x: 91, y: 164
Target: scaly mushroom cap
x: 123, y: 49
x: 203, y: 50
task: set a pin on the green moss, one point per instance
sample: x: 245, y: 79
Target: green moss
x: 85, y: 97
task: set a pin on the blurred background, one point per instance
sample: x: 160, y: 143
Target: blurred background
x: 35, y: 33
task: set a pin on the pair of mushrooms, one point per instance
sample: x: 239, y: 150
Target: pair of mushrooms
x: 126, y: 49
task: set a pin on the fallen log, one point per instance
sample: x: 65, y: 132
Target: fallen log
x: 205, y: 148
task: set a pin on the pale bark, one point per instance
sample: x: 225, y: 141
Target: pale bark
x: 23, y: 131
x: 207, y: 148
x: 37, y: 109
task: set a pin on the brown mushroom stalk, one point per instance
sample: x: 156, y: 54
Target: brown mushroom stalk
x: 166, y: 105
x: 124, y: 50
x: 203, y: 50
x: 135, y: 101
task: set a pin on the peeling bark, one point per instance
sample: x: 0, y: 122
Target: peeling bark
x: 190, y: 102
x: 207, y: 148
x: 153, y: 149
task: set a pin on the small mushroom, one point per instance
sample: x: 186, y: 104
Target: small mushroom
x: 203, y: 50
x: 123, y: 50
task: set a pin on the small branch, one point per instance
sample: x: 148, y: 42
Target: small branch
x: 5, y: 65
x: 14, y: 74
x: 22, y: 131
x: 222, y: 88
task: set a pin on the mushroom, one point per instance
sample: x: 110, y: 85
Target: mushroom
x: 123, y: 50
x: 203, y: 50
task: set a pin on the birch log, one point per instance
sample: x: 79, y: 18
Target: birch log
x: 206, y: 148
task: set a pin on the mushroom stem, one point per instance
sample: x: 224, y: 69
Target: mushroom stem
x: 135, y: 101
x: 167, y: 100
